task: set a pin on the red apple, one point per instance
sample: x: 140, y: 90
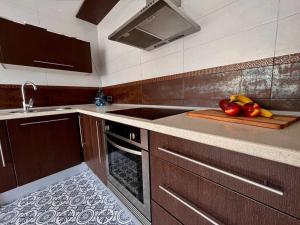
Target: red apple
x: 251, y: 109
x: 233, y: 109
x: 223, y: 103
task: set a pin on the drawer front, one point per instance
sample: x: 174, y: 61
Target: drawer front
x: 161, y: 216
x: 194, y: 200
x: 272, y: 183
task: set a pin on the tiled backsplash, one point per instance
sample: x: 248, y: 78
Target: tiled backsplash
x: 10, y: 96
x: 273, y: 82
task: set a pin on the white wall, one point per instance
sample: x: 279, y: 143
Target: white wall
x: 57, y: 16
x: 232, y: 31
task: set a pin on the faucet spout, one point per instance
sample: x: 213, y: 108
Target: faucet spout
x: 26, y: 106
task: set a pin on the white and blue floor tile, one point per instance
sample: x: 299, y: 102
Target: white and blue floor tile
x: 81, y: 199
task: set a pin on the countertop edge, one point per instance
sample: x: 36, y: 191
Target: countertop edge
x: 285, y: 156
x: 273, y: 153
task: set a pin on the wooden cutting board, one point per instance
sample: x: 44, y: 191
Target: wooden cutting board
x: 276, y: 122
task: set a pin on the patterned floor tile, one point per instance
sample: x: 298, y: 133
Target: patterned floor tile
x: 81, y: 199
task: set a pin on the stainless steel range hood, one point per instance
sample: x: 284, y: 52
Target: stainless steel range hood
x: 159, y: 23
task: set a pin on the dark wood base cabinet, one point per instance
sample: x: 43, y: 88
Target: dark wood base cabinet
x: 92, y: 143
x: 194, y: 200
x: 42, y: 146
x: 7, y: 173
x: 201, y: 184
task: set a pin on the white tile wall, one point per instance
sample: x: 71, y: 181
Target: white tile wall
x: 249, y: 45
x: 288, y: 38
x: 200, y: 8
x: 169, y: 64
x: 232, y: 31
x: 233, y: 19
x: 56, y: 16
x: 288, y: 8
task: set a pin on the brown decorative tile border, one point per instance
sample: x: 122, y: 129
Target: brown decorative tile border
x: 287, y: 59
x: 258, y: 79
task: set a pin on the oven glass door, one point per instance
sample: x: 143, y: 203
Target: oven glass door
x: 128, y: 172
x: 125, y: 166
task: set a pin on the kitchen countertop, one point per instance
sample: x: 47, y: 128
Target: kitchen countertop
x: 277, y: 145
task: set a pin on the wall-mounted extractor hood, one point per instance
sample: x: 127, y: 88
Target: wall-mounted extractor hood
x: 159, y: 23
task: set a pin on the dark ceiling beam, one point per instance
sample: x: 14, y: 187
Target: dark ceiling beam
x: 94, y: 11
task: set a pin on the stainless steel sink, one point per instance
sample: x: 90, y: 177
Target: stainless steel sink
x: 41, y: 110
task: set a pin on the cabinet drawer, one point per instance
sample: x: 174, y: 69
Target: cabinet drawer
x: 161, y: 216
x: 272, y: 183
x: 194, y: 200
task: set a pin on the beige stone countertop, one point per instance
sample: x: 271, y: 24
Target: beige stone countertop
x: 277, y: 145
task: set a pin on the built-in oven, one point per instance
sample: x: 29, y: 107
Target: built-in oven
x: 127, y: 160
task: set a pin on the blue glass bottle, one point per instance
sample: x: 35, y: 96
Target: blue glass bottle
x: 100, y: 99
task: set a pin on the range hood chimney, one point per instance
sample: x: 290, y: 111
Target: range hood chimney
x: 160, y: 22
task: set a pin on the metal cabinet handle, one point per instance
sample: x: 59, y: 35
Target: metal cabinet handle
x: 131, y: 151
x: 246, y: 180
x: 2, y: 155
x: 51, y: 63
x: 44, y: 121
x: 190, y: 206
x: 98, y: 142
x: 80, y: 131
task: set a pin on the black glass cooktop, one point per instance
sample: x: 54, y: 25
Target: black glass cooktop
x: 149, y: 113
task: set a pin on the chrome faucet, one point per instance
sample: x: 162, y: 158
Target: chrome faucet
x: 27, y: 106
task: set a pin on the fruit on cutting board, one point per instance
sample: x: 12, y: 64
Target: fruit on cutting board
x: 232, y: 109
x: 240, y: 98
x: 266, y: 113
x: 240, y: 103
x: 247, y: 106
x: 251, y: 109
x: 223, y: 103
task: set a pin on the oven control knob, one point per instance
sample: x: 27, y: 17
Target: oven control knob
x: 107, y: 128
x: 132, y: 136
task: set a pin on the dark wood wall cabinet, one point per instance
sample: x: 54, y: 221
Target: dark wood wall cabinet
x: 92, y: 144
x: 28, y: 45
x: 42, y: 146
x: 7, y: 173
x: 94, y: 11
x: 201, y: 184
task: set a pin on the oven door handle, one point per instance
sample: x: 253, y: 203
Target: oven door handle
x: 131, y: 151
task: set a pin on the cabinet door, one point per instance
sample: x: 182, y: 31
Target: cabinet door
x: 93, y: 150
x: 28, y: 45
x: 81, y: 54
x: 44, y: 145
x: 54, y: 51
x: 85, y: 132
x: 98, y: 147
x: 7, y: 173
x: 18, y: 43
